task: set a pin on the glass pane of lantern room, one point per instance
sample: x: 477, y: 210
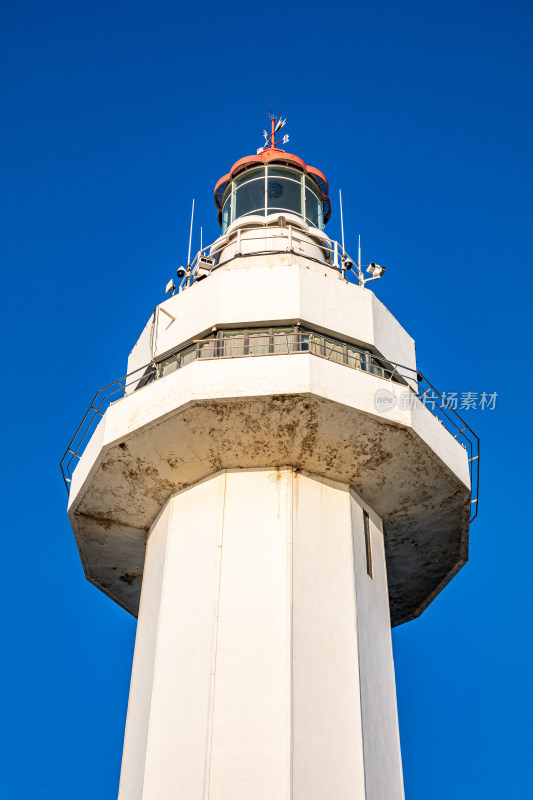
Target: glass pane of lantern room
x: 248, y: 174
x: 284, y: 172
x: 250, y: 197
x: 284, y: 194
x: 226, y: 214
x: 313, y: 209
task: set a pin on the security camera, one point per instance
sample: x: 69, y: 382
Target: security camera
x: 181, y: 273
x: 347, y: 264
x: 376, y: 270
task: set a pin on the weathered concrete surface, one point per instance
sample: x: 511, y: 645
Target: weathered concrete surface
x: 263, y: 660
x: 297, y: 410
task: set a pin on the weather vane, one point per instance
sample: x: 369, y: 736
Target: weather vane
x: 277, y: 124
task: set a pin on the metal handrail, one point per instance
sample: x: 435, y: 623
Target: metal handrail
x: 336, y: 256
x: 301, y: 341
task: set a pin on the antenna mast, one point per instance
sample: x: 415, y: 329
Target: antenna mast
x: 342, y: 223
x: 190, y: 236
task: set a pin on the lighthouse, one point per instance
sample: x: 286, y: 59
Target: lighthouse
x: 272, y: 485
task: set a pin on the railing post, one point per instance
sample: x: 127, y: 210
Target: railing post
x: 239, y: 251
x: 336, y: 254
x: 289, y: 245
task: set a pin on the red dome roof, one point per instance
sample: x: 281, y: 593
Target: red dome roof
x: 276, y: 156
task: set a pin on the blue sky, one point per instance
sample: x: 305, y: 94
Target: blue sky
x: 115, y: 115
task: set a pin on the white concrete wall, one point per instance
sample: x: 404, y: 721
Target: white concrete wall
x: 259, y: 234
x: 328, y: 749
x: 169, y: 714
x: 249, y: 676
x: 144, y: 662
x: 381, y: 736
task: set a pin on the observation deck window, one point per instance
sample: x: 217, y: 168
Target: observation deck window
x: 239, y: 342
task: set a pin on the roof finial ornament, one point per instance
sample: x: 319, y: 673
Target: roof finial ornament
x: 277, y: 124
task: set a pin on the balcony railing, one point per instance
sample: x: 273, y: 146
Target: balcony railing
x: 288, y: 239
x: 418, y: 391
x: 264, y: 344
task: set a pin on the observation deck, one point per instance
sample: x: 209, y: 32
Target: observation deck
x: 291, y: 377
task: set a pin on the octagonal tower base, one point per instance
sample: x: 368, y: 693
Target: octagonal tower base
x: 263, y: 662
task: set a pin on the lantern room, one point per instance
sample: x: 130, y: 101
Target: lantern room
x: 270, y: 183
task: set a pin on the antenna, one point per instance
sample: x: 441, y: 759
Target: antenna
x: 201, y: 242
x: 359, y: 273
x: 342, y: 224
x: 190, y: 236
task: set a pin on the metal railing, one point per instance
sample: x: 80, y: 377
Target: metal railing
x: 264, y: 343
x: 418, y: 391
x: 335, y: 256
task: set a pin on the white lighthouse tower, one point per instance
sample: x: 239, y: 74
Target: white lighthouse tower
x: 272, y: 485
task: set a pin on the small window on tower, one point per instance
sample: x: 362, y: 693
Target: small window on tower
x: 368, y: 545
